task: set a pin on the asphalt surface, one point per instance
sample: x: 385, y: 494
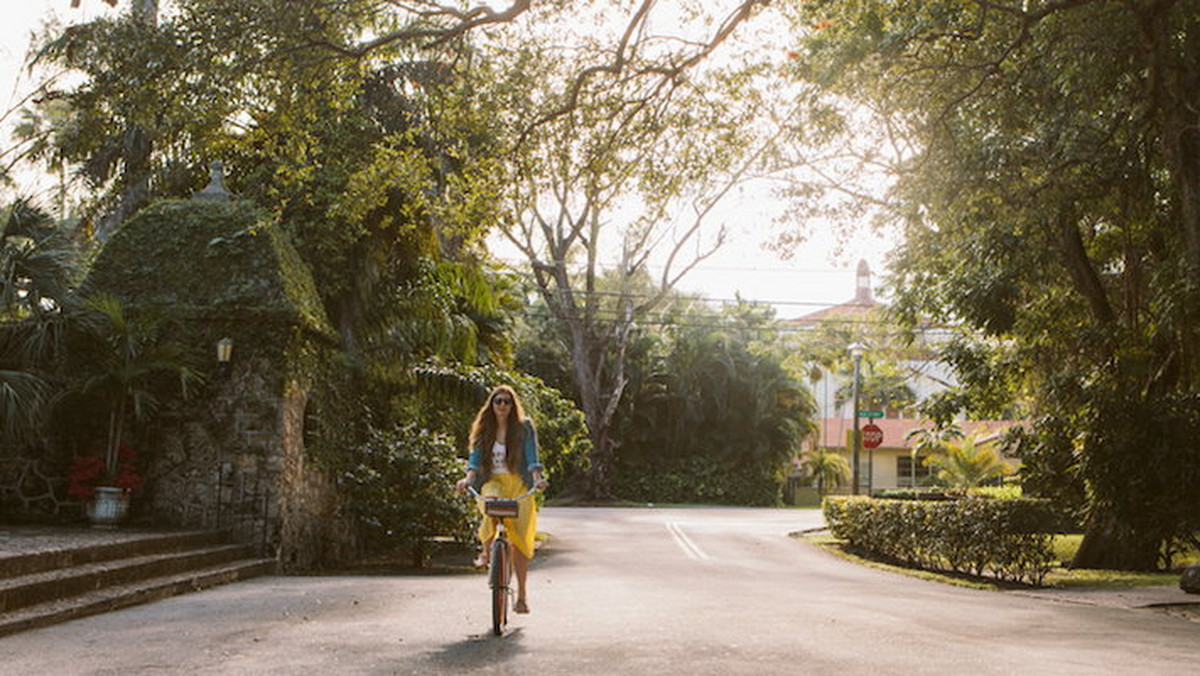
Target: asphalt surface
x: 627, y: 591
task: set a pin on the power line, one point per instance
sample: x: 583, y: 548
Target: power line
x: 710, y: 321
x: 513, y: 263
x: 685, y: 295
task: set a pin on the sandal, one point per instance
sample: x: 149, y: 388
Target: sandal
x: 481, y: 561
x: 521, y: 607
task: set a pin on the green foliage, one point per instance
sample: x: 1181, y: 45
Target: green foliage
x: 240, y: 264
x: 712, y: 415
x: 38, y: 263
x: 1009, y: 539
x: 883, y: 386
x: 968, y: 464
x: 451, y: 395
x: 917, y: 494
x: 630, y: 156
x: 704, y: 480
x: 123, y: 366
x: 1064, y: 239
x: 883, y: 379
x: 38, y: 268
x: 1008, y: 491
x: 1143, y: 467
x: 381, y: 170
x: 399, y: 486
x: 829, y: 468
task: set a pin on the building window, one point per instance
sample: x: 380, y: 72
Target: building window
x: 904, y: 471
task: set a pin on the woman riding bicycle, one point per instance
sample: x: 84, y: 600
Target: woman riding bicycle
x: 504, y: 463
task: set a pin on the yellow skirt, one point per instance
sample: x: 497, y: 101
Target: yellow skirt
x: 523, y: 529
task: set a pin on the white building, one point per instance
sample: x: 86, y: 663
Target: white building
x: 891, y: 464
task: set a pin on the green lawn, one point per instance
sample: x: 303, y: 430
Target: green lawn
x: 1064, y: 550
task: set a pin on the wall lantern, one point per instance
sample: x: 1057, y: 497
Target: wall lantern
x: 224, y: 353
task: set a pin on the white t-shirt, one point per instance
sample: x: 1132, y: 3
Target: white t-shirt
x: 499, y: 459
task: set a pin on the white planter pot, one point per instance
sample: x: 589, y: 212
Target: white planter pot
x: 109, y: 507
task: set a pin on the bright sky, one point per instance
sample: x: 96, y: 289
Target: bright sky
x: 819, y: 273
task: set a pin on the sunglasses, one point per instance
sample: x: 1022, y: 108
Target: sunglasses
x: 502, y: 400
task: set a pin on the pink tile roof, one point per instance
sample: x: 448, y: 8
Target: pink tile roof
x: 854, y: 310
x: 834, y: 430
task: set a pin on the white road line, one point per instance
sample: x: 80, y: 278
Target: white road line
x: 685, y: 543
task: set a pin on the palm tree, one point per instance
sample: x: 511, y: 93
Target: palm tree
x: 38, y: 266
x: 131, y: 365
x: 23, y: 398
x: 967, y: 465
x: 829, y: 468
x: 931, y: 441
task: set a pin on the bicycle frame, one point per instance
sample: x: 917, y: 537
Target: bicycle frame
x: 500, y: 568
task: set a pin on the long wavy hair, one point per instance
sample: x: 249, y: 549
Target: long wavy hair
x: 483, y: 430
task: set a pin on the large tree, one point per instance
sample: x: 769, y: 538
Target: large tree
x: 620, y: 163
x: 1048, y: 184
x: 384, y: 133
x: 381, y: 164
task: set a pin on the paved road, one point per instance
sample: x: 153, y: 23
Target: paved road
x: 622, y: 591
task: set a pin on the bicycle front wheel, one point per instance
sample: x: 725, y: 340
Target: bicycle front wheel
x: 498, y: 581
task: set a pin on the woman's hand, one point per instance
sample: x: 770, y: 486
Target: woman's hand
x: 539, y: 482
x: 462, y: 485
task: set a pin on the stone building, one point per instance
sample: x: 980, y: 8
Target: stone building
x: 234, y: 454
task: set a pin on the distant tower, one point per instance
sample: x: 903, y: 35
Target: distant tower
x: 862, y: 286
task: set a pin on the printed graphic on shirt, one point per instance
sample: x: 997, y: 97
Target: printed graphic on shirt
x: 499, y: 459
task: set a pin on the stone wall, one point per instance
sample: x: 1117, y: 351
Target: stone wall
x: 32, y: 488
x: 243, y: 466
x: 232, y: 456
x: 235, y: 461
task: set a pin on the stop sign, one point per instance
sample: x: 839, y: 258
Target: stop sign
x: 872, y: 436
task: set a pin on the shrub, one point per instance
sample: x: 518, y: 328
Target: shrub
x: 917, y: 494
x: 1004, y: 492
x: 701, y: 480
x: 1008, y: 539
x: 400, y: 489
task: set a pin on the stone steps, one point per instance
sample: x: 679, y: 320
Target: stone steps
x: 39, y: 588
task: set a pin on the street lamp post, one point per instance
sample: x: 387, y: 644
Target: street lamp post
x: 856, y: 351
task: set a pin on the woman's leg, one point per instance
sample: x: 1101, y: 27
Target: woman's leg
x: 521, y: 567
x: 485, y: 554
x: 487, y: 529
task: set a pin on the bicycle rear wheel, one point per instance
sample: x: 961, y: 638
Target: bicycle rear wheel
x: 498, y: 581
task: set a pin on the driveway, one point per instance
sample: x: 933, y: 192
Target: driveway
x: 623, y: 591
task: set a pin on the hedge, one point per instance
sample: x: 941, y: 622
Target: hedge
x: 1007, y: 539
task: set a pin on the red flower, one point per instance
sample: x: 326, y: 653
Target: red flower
x: 88, y: 472
x: 84, y: 474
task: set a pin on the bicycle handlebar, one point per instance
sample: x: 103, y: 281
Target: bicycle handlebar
x: 472, y: 491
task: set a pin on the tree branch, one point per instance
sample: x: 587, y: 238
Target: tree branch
x: 432, y: 35
x: 667, y: 72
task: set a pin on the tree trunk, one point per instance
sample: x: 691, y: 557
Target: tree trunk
x: 1173, y: 53
x: 1109, y: 545
x: 137, y: 152
x: 596, y: 399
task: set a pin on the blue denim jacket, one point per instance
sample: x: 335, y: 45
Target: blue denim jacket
x: 527, y: 463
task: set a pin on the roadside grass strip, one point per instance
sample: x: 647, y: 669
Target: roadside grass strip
x: 1057, y: 577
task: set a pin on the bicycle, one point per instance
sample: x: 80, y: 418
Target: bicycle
x: 500, y: 565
